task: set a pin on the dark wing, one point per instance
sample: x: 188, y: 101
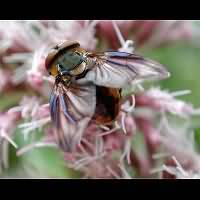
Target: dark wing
x: 71, y: 109
x: 117, y: 69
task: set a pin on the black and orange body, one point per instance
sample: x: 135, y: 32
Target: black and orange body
x: 107, y: 105
x: 88, y: 87
x: 68, y: 58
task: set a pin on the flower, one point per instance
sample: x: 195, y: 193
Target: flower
x: 166, y: 102
x: 175, y: 170
x: 30, y: 109
x: 145, y: 117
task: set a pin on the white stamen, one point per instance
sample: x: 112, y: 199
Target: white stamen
x: 180, y: 93
x: 126, y: 46
x: 4, y: 155
x: 104, y: 127
x: 124, y: 171
x: 83, y: 149
x: 113, y: 172
x: 179, y: 167
x: 35, y: 145
x: 123, y: 122
x: 17, y: 57
x: 156, y: 170
x: 87, y: 160
x: 160, y: 155
x: 82, y: 162
x: 170, y: 170
x: 129, y: 109
x: 108, y: 132
x: 90, y: 145
x: 3, y: 134
x: 28, y: 127
x: 99, y: 146
x: 118, y: 32
x: 35, y: 124
x: 35, y: 109
x: 139, y: 86
x: 127, y: 151
x: 15, y: 109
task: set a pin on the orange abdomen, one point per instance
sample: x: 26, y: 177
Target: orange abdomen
x: 107, y: 105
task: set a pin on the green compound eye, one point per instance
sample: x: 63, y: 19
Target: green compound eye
x: 69, y: 60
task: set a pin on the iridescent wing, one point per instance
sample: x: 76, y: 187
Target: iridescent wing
x: 117, y: 69
x: 71, y: 109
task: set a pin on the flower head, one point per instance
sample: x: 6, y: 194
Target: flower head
x: 143, y: 131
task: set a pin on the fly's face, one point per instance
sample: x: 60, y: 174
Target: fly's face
x: 66, y: 60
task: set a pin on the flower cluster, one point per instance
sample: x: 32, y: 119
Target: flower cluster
x: 145, y: 140
x: 148, y: 33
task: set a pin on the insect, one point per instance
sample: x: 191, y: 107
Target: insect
x: 88, y: 86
